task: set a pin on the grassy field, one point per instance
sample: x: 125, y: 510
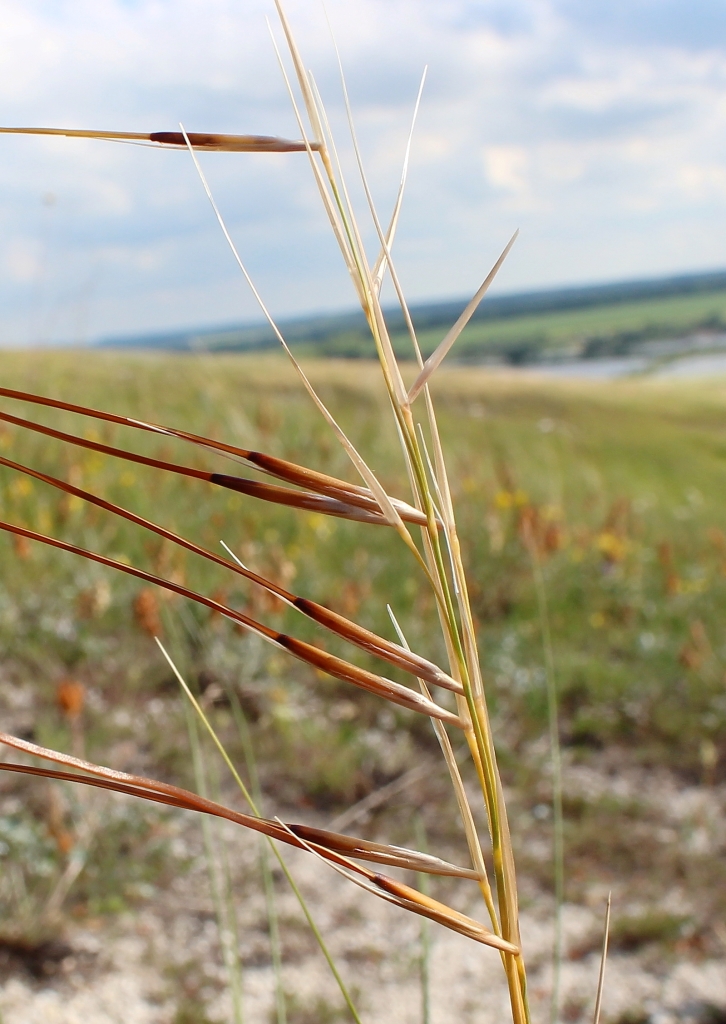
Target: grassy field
x: 612, y: 328
x: 621, y: 485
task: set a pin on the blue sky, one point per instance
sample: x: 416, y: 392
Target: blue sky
x: 597, y: 128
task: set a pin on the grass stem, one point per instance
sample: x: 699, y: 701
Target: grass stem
x: 556, y: 762
x: 273, y: 846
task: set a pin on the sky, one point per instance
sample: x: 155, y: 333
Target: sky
x: 596, y: 127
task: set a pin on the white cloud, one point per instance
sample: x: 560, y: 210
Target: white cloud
x: 22, y: 260
x: 507, y: 167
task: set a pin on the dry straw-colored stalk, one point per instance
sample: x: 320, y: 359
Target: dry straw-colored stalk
x: 436, y: 551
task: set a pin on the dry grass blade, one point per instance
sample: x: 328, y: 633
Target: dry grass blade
x: 328, y: 663
x: 340, y: 214
x: 379, y: 270
x: 436, y: 358
x: 379, y: 646
x: 385, y: 257
x: 332, y: 204
x: 462, y: 800
x: 211, y: 141
x: 394, y: 856
x: 173, y: 796
x: 411, y: 899
x: 305, y: 500
x: 300, y: 836
x: 428, y: 907
x: 307, y: 94
x: 603, y: 961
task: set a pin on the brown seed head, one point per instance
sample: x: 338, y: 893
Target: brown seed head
x: 146, y: 611
x: 70, y: 696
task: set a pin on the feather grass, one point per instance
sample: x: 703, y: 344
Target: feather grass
x: 437, y: 553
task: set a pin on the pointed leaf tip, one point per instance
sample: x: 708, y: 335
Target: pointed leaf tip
x: 437, y: 357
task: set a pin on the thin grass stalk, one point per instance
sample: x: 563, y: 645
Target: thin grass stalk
x: 481, y: 741
x: 414, y: 459
x: 482, y: 746
x: 603, y: 962
x: 485, y: 758
x: 470, y: 831
x: 352, y: 247
x: 478, y: 735
x: 424, y: 935
x: 406, y: 432
x: 268, y: 884
x: 223, y: 905
x: 333, y: 207
x: 558, y: 823
x: 490, y: 784
x: 233, y: 930
x: 355, y: 250
x: 273, y: 922
x: 280, y: 859
x: 385, y: 260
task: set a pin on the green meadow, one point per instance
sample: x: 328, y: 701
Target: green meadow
x: 609, y: 328
x: 619, y: 487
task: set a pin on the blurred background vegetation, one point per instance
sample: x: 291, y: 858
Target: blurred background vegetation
x: 620, y: 484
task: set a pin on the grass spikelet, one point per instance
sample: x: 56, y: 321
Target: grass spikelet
x: 337, y: 667
x: 207, y: 141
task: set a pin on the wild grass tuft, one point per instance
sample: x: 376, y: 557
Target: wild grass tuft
x: 435, y: 555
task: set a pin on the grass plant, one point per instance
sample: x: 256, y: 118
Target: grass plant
x: 437, y: 556
x: 556, y: 488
